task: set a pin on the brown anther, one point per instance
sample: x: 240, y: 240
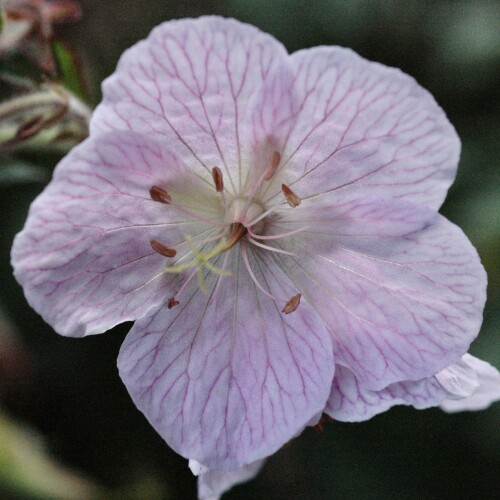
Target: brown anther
x: 291, y: 197
x: 172, y: 302
x: 160, y: 195
x: 292, y: 304
x: 163, y: 249
x: 218, y: 181
x: 275, y: 161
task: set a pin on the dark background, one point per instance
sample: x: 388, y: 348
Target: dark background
x: 68, y: 391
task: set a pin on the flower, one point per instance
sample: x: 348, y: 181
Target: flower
x: 270, y: 223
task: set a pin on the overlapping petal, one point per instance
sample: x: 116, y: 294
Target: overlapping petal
x: 350, y: 401
x: 225, y: 377
x: 84, y: 256
x: 485, y: 376
x: 189, y: 84
x: 468, y: 384
x: 400, y: 288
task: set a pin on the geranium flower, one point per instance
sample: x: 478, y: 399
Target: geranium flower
x: 270, y: 223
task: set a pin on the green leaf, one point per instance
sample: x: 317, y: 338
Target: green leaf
x: 69, y: 69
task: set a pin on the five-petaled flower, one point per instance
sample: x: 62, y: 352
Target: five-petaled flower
x: 270, y: 223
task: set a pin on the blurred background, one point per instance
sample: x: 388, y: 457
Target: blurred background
x: 68, y: 429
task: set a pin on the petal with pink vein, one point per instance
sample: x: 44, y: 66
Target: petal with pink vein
x: 225, y: 377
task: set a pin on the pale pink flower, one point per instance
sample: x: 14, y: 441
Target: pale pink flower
x: 270, y: 223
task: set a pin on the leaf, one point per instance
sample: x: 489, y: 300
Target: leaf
x: 70, y: 73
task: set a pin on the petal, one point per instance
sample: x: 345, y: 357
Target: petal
x: 459, y: 380
x: 225, y: 377
x: 271, y: 116
x: 212, y: 484
x: 189, y: 83
x: 364, y: 129
x: 350, y: 401
x: 400, y: 288
x: 487, y: 393
x: 84, y: 256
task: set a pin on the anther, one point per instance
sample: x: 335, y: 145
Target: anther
x: 218, y: 181
x: 160, y: 195
x: 172, y: 302
x: 291, y: 197
x: 292, y: 304
x: 275, y: 161
x: 163, y: 249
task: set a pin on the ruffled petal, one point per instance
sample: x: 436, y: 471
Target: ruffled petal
x: 84, y: 257
x: 459, y: 380
x: 350, y: 401
x: 189, y: 83
x: 400, y: 288
x: 486, y: 380
x: 225, y: 377
x: 212, y: 484
x: 355, y: 127
x: 468, y: 384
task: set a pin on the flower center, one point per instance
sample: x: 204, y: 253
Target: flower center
x: 244, y: 221
x: 240, y: 212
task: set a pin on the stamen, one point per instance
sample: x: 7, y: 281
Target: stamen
x: 218, y: 180
x: 292, y: 304
x: 163, y: 249
x: 266, y: 176
x: 244, y: 252
x: 160, y: 195
x: 276, y: 208
x: 172, y: 302
x: 275, y: 236
x: 219, y: 185
x: 275, y: 161
x: 272, y: 249
x: 291, y: 197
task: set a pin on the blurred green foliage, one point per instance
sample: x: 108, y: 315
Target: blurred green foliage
x: 75, y: 398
